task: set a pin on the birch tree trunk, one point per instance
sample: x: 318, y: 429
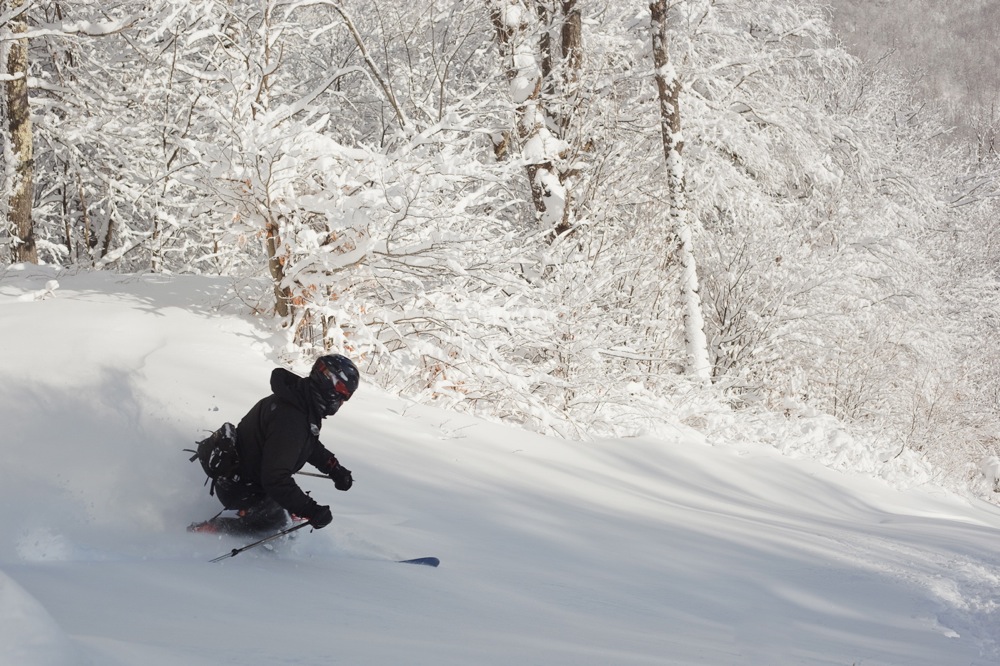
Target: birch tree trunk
x: 21, y: 168
x: 668, y: 87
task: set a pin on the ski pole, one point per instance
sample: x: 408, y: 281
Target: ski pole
x: 320, y: 476
x: 236, y: 551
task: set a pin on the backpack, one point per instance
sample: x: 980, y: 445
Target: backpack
x: 218, y: 455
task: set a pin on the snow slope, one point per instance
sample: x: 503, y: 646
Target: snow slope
x: 643, y: 551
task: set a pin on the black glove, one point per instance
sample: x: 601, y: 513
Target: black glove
x: 342, y: 479
x: 321, y: 517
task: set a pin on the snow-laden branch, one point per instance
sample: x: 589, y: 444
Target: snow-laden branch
x: 289, y: 110
x: 360, y: 42
x: 83, y: 28
x: 14, y: 13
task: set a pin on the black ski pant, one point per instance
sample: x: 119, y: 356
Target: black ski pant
x: 258, y: 512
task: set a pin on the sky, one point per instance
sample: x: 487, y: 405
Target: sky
x: 684, y: 548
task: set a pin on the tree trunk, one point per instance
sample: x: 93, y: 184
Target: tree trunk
x: 571, y: 43
x: 19, y: 126
x: 668, y: 87
x: 572, y: 40
x: 282, y: 294
x: 522, y: 28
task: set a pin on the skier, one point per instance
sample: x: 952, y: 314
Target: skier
x: 274, y: 440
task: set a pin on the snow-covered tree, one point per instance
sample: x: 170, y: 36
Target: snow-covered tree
x: 19, y: 172
x: 668, y: 87
x: 540, y: 46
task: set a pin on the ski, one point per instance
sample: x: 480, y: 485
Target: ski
x: 426, y: 561
x: 266, y: 542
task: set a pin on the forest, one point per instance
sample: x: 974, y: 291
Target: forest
x: 588, y: 218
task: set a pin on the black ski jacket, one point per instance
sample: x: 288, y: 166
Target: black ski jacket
x: 277, y: 437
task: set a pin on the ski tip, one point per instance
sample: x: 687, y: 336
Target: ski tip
x: 426, y: 561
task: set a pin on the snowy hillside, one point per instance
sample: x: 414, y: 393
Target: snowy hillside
x: 683, y: 550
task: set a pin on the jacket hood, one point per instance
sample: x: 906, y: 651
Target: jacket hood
x: 291, y: 388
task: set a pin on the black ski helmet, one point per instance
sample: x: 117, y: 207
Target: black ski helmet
x: 335, y: 379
